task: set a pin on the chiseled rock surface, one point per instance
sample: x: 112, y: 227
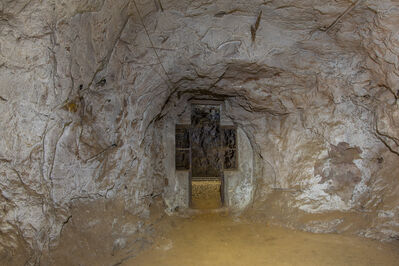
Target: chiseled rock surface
x: 84, y: 88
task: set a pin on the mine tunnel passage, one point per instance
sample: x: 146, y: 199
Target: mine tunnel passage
x: 205, y: 149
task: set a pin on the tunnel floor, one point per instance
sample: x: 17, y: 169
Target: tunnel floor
x: 217, y: 239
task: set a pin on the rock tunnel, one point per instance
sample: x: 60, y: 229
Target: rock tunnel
x: 93, y: 92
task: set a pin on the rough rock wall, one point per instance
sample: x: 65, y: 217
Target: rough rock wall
x: 83, y: 84
x: 69, y: 134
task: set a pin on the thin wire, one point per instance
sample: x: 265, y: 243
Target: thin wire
x: 152, y: 44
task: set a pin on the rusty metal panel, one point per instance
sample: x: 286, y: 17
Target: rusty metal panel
x: 182, y: 159
x: 230, y: 159
x: 182, y: 137
x: 229, y: 137
x: 182, y: 140
x: 229, y: 147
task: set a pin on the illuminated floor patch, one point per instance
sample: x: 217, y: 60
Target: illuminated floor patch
x: 206, y: 194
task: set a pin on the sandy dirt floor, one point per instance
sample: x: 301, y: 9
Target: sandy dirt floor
x: 217, y: 239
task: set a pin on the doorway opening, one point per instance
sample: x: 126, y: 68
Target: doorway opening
x: 206, y: 149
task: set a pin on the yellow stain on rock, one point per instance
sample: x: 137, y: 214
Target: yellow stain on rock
x: 71, y: 107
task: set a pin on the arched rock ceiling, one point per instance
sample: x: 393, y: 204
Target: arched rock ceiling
x: 155, y: 51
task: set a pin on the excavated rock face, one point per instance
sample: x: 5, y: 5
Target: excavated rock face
x: 88, y: 86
